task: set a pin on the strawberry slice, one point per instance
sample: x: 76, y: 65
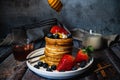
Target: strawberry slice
x: 57, y: 29
x: 81, y: 56
x: 66, y: 63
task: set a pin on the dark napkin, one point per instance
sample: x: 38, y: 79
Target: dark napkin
x: 29, y: 35
x: 37, y: 33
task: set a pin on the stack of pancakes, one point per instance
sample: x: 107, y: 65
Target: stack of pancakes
x: 56, y: 48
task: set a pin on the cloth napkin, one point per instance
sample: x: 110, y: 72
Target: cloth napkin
x: 37, y: 33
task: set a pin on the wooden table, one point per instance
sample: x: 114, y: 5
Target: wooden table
x: 10, y: 69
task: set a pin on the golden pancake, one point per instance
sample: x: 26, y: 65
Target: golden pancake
x: 53, y: 59
x: 51, y: 62
x: 54, y: 55
x: 66, y: 41
x: 57, y: 48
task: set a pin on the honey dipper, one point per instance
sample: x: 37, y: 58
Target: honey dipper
x: 56, y: 5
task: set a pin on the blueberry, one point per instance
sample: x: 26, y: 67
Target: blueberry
x: 75, y: 68
x: 49, y: 69
x: 83, y: 63
x: 36, y: 66
x: 40, y: 63
x: 53, y: 67
x: 45, y: 65
x: 69, y: 35
x: 89, y: 59
x: 62, y: 71
x: 50, y: 35
x: 55, y: 36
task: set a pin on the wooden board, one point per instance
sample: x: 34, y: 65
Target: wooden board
x: 29, y: 75
x: 12, y: 69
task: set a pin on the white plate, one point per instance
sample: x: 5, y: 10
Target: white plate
x: 55, y: 74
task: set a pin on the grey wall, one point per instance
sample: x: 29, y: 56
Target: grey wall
x: 103, y: 16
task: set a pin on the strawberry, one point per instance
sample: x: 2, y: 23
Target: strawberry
x: 57, y: 29
x: 62, y: 30
x: 81, y: 56
x: 66, y: 63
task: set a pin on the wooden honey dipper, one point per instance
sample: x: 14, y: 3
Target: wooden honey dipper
x: 56, y: 5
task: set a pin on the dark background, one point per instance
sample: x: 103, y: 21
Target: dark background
x: 102, y: 16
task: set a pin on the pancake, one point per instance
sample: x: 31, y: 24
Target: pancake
x: 50, y: 63
x: 53, y: 55
x: 63, y: 42
x: 56, y: 48
x: 53, y: 59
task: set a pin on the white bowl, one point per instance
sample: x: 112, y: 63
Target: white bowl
x: 55, y: 74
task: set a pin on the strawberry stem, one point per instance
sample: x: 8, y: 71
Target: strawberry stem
x: 84, y: 51
x: 89, y: 49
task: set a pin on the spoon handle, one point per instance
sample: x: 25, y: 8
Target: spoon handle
x: 34, y: 57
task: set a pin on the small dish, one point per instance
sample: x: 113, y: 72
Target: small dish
x: 55, y: 74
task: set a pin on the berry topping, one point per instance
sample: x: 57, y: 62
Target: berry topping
x: 75, y: 68
x: 81, y: 55
x: 66, y: 63
x: 62, y: 71
x: 45, y: 65
x: 50, y: 35
x: 55, y: 36
x: 36, y: 66
x: 62, y: 30
x: 84, y: 54
x: 40, y: 63
x: 83, y: 63
x: 69, y: 35
x: 61, y: 35
x: 55, y: 29
x: 53, y: 67
x: 49, y: 69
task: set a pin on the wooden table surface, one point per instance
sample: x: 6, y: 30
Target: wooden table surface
x: 10, y: 69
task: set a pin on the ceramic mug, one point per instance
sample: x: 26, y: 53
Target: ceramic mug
x: 94, y: 40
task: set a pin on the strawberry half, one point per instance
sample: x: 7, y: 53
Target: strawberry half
x: 66, y: 63
x: 62, y: 30
x: 57, y: 29
x: 81, y: 56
